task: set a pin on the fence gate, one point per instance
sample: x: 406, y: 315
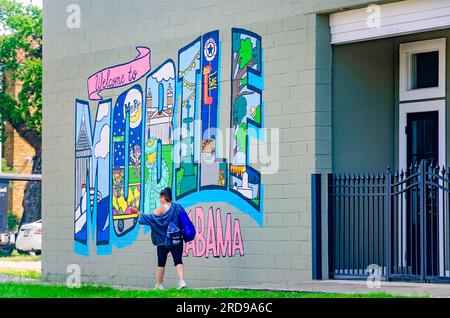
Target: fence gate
x: 396, y: 224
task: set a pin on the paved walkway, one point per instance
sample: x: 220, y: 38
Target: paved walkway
x: 359, y: 287
x: 21, y: 265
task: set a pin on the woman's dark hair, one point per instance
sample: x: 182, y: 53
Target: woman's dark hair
x: 167, y: 194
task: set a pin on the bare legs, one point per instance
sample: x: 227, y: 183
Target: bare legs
x: 177, y: 255
x: 160, y: 277
x: 161, y: 270
x: 160, y: 274
x: 180, y: 271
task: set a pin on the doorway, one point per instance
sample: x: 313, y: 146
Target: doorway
x: 422, y: 137
x: 422, y: 132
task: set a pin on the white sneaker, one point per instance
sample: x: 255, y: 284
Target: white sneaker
x: 181, y: 284
x: 159, y: 286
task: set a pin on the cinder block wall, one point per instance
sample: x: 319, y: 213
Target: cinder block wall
x: 296, y: 98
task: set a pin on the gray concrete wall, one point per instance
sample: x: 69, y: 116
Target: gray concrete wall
x: 363, y: 106
x: 297, y: 99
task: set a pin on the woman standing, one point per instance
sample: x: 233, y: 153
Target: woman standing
x: 167, y: 214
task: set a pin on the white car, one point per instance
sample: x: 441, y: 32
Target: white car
x: 29, y: 238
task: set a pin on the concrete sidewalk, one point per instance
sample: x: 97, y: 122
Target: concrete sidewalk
x: 358, y: 287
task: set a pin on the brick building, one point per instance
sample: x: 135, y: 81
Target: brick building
x: 18, y: 154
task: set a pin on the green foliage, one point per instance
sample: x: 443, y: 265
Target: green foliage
x: 257, y: 117
x: 13, y: 221
x: 245, y: 52
x: 239, y: 110
x: 21, y: 60
x: 179, y: 176
x: 241, y: 137
x: 16, y: 257
x: 5, y: 167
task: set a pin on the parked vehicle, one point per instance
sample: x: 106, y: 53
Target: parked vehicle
x: 7, y: 241
x: 29, y: 238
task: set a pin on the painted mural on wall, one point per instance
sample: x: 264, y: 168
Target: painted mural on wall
x: 215, y: 237
x: 167, y: 133
x: 246, y: 110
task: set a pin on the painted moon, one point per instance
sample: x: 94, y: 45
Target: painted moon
x: 134, y: 100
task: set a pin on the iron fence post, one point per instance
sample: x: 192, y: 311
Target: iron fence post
x: 422, y: 210
x: 388, y: 220
x: 330, y: 226
x: 316, y: 225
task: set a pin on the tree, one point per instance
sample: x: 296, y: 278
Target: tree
x: 244, y: 56
x: 239, y: 110
x: 21, y: 61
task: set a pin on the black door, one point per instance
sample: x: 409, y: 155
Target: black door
x: 423, y: 137
x: 422, y: 144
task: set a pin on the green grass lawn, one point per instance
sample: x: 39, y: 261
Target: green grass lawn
x: 21, y: 290
x: 16, y: 257
x: 21, y: 273
x: 37, y: 290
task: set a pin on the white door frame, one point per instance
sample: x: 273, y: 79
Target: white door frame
x: 404, y: 110
x: 426, y: 106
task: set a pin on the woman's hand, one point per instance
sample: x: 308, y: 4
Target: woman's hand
x: 134, y: 211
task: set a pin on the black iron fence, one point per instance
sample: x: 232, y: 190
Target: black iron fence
x: 396, y: 223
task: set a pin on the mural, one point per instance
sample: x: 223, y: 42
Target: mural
x: 126, y: 159
x: 188, y: 78
x: 159, y: 133
x: 92, y: 150
x: 213, y: 237
x: 168, y: 134
x: 119, y: 75
x: 246, y: 111
x: 212, y: 170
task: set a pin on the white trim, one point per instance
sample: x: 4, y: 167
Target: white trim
x: 407, y: 50
x: 398, y: 18
x: 404, y: 110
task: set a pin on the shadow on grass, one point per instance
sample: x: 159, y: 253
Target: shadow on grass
x: 16, y: 257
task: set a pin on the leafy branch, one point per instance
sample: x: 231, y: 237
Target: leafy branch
x: 21, y: 62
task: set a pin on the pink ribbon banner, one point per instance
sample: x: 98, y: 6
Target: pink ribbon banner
x: 119, y: 75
